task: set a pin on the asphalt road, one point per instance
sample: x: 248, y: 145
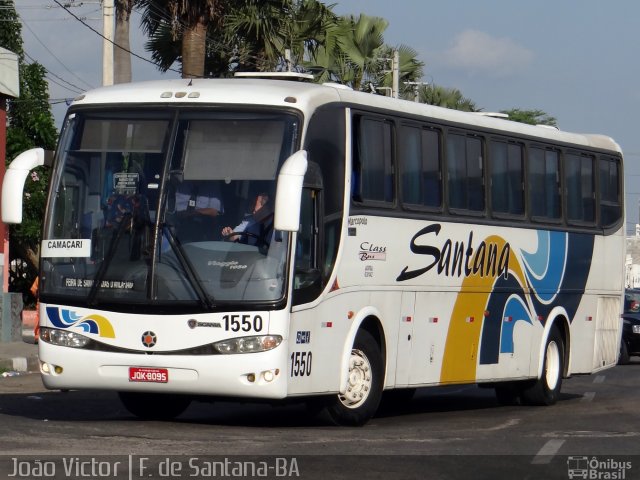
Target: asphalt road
x: 454, y: 432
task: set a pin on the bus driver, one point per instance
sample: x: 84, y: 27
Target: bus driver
x: 255, y: 226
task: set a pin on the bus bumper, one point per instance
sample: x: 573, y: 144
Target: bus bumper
x: 251, y: 375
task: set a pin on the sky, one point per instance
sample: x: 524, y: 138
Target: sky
x: 576, y: 60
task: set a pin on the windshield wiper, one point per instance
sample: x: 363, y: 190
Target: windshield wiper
x: 104, y: 266
x: 186, y: 265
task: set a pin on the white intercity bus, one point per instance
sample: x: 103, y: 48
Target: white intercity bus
x: 273, y: 239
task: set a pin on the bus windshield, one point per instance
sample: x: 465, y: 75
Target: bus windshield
x: 166, y: 207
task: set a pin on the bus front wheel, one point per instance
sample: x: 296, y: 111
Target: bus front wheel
x: 546, y: 390
x: 364, y: 386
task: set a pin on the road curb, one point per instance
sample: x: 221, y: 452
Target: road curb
x: 20, y: 356
x: 20, y: 364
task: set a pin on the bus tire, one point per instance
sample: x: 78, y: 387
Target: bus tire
x: 624, y: 357
x: 364, y: 387
x: 546, y: 390
x: 154, y: 406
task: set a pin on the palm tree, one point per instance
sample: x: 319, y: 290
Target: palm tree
x: 252, y: 36
x: 186, y: 20
x: 360, y: 42
x: 264, y: 29
x: 353, y: 53
x: 445, y: 97
x: 328, y: 62
x: 122, y: 50
x: 532, y: 117
x: 410, y: 70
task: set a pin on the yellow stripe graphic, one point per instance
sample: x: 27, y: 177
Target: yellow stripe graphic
x: 460, y: 359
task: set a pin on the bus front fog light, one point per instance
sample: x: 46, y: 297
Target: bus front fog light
x: 49, y: 369
x: 268, y: 376
x: 636, y: 329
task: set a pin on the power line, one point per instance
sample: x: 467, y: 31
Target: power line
x: 56, y: 58
x: 103, y: 37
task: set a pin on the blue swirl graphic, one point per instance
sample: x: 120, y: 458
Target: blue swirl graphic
x: 545, y: 267
x: 517, y: 311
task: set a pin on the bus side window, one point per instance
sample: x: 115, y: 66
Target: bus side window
x: 465, y: 167
x: 307, y: 284
x: 420, y: 170
x: 373, y: 172
x: 580, y: 188
x: 544, y: 184
x: 507, y: 177
x: 610, y: 202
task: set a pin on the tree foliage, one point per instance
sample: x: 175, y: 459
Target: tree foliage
x: 354, y: 53
x: 245, y: 35
x: 445, y: 97
x: 532, y: 117
x: 122, y: 52
x: 186, y: 22
x: 30, y: 124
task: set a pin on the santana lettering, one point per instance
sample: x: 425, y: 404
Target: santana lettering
x: 458, y: 259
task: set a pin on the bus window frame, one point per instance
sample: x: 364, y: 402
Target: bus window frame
x: 420, y: 126
x: 356, y: 167
x: 619, y: 203
x: 565, y: 197
x: 559, y: 221
x: 466, y: 133
x: 505, y: 216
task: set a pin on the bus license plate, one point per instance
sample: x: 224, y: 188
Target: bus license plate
x: 157, y: 375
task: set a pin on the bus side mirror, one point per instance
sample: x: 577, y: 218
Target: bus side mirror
x: 13, y: 183
x: 289, y: 192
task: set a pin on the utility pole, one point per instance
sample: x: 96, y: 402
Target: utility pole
x: 108, y: 11
x: 395, y: 68
x: 287, y: 58
x: 416, y: 89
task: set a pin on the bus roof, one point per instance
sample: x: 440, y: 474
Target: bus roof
x: 308, y: 96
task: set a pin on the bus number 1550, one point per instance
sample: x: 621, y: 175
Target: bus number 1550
x: 300, y: 364
x: 235, y: 323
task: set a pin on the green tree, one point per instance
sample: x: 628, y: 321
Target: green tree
x: 122, y: 47
x: 360, y: 42
x: 262, y: 30
x: 328, y: 62
x: 445, y: 97
x: 251, y: 35
x: 410, y: 70
x: 532, y: 117
x: 353, y: 52
x: 30, y: 124
x: 186, y: 21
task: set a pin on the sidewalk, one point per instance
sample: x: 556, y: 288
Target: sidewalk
x: 19, y: 356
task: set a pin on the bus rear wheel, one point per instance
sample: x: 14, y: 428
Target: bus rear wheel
x: 154, y: 406
x: 546, y: 390
x: 360, y: 402
x: 624, y: 357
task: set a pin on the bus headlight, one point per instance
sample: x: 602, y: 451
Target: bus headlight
x: 260, y: 343
x: 635, y: 328
x: 63, y: 338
